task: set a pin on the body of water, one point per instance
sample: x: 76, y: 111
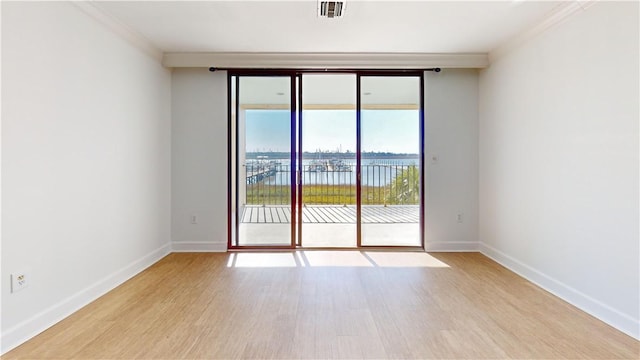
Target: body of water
x: 375, y: 172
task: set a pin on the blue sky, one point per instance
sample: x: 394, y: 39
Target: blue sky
x: 393, y: 131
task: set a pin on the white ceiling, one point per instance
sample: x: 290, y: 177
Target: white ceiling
x: 293, y: 26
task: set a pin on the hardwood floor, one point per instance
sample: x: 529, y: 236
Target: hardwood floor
x: 347, y: 304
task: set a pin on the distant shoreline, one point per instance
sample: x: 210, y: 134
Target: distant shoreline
x: 329, y: 155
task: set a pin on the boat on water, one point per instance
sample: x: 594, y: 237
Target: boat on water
x: 318, y: 166
x: 329, y: 165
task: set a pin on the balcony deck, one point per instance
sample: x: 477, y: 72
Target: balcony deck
x: 332, y: 214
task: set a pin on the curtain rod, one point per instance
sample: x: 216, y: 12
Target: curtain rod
x: 279, y: 70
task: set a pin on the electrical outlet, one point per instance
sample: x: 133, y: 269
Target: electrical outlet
x: 194, y: 219
x: 459, y: 217
x: 19, y: 281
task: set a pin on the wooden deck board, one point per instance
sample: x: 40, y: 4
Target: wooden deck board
x: 328, y: 214
x: 305, y: 216
x: 348, y: 213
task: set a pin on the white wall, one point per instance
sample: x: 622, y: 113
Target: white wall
x: 85, y: 163
x: 451, y: 134
x: 559, y: 161
x: 199, y: 157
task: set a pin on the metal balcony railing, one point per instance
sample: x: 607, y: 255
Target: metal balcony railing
x: 333, y: 183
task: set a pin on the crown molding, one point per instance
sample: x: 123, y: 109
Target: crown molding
x: 119, y: 28
x: 330, y: 60
x: 559, y: 14
x: 325, y: 60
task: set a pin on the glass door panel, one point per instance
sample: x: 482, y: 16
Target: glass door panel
x: 328, y: 161
x: 263, y: 158
x: 390, y: 160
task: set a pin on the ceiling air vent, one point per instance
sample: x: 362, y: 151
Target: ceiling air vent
x: 330, y: 9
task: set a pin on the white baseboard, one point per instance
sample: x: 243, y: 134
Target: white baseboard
x: 56, y: 313
x: 607, y: 314
x: 452, y: 246
x: 197, y: 246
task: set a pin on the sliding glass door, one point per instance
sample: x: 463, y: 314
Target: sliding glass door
x: 326, y: 160
x: 264, y: 159
x: 390, y: 160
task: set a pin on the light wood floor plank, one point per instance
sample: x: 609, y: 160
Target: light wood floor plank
x: 192, y: 306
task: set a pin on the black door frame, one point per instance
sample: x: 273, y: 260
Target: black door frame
x: 295, y: 76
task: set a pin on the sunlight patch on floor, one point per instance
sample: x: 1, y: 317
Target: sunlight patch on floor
x: 404, y: 259
x: 328, y: 258
x: 261, y: 260
x: 335, y: 258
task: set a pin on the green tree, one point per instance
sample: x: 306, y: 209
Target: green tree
x: 405, y: 187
